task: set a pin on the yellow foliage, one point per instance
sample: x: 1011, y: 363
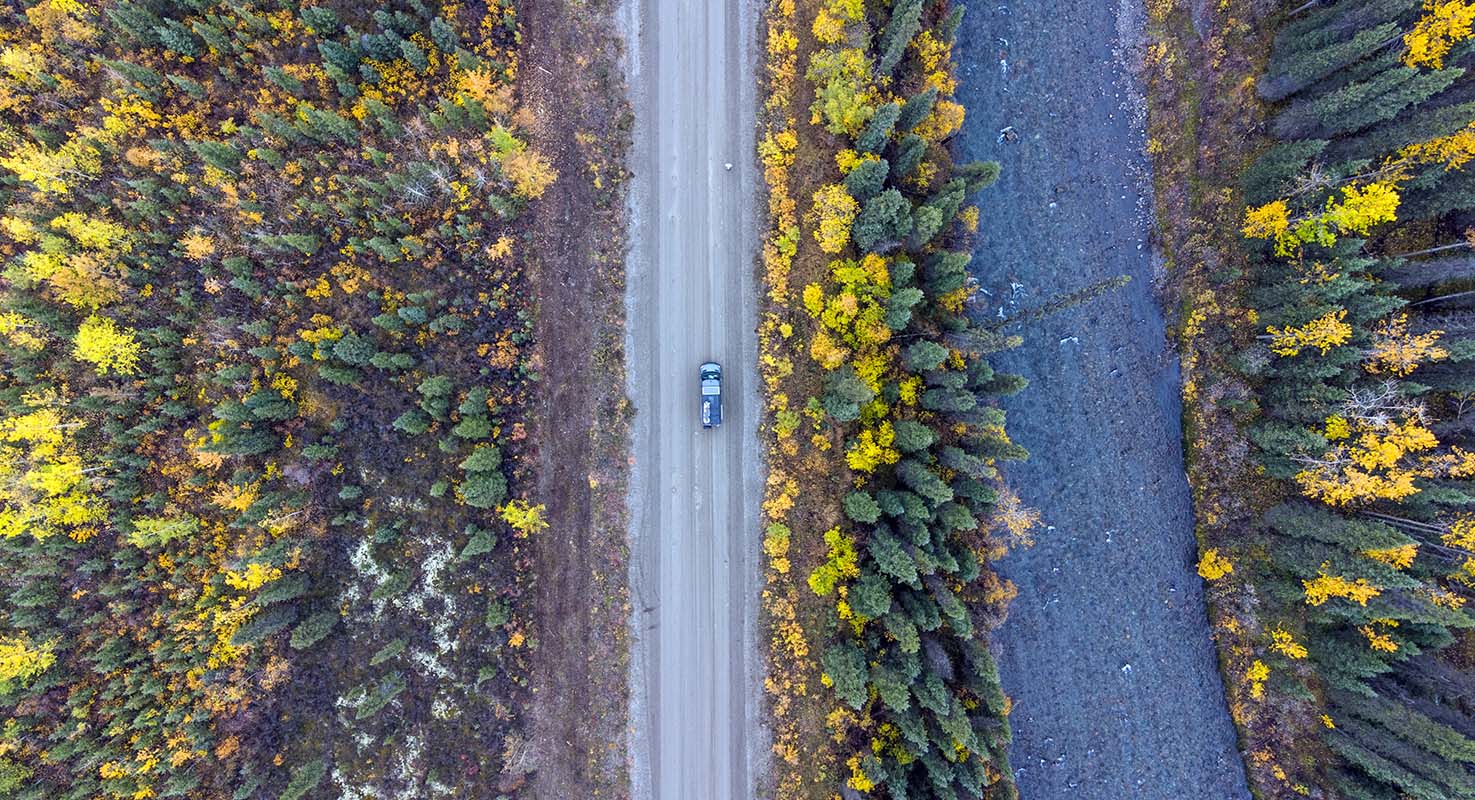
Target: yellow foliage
x: 1212, y: 566
x: 1269, y: 221
x: 1397, y: 351
x: 101, y: 343
x: 1325, y: 332
x: 1372, y: 465
x: 831, y: 215
x: 1256, y: 676
x: 50, y: 170
x: 22, y: 661
x: 945, y: 120
x: 1399, y: 557
x: 1451, y: 152
x: 1378, y: 639
x: 1337, y: 428
x: 1461, y: 533
x: 253, y: 577
x: 1282, y: 642
x: 858, y: 780
x: 1356, y: 212
x: 1445, y: 22
x: 198, y: 246
x: 531, y: 174
x: 840, y: 563
x: 524, y: 517
x: 814, y: 299
x: 873, y: 448
x: 827, y: 28
x: 1325, y: 586
x: 93, y: 233
x: 20, y: 332
x: 826, y: 351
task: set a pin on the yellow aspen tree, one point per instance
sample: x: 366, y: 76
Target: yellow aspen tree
x: 109, y: 349
x: 253, y: 577
x: 1323, y: 333
x: 1461, y: 537
x: 1445, y: 22
x: 22, y: 661
x: 1340, y: 482
x: 1377, y: 635
x: 1360, y: 208
x: 1212, y: 566
x: 1356, y: 211
x: 1398, y: 557
x: 531, y: 174
x: 1397, y: 351
x: 1452, y: 152
x: 840, y: 564
x: 945, y: 120
x: 1325, y: 586
x: 1015, y: 520
x: 1281, y: 641
x: 1256, y: 676
x: 831, y: 215
x: 1270, y: 221
x: 524, y: 517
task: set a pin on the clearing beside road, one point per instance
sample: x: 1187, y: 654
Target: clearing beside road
x: 580, y: 649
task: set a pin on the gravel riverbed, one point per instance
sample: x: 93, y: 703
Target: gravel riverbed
x: 1106, y: 652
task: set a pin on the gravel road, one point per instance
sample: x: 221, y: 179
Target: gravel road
x: 694, y: 492
x: 1106, y: 652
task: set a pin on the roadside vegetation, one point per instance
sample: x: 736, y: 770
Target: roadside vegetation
x: 1318, y: 205
x: 878, y: 594
x: 266, y: 343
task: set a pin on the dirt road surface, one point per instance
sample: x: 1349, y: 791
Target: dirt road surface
x: 1106, y: 652
x: 694, y: 492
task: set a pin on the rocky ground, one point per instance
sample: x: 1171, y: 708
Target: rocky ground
x: 1106, y: 652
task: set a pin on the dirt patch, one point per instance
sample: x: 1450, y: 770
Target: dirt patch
x: 578, y: 715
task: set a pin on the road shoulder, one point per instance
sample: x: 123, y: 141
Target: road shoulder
x: 572, y: 83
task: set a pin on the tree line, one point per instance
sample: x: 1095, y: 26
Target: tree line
x: 1359, y: 577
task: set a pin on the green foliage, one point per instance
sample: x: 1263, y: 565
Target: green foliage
x: 868, y: 178
x: 287, y: 588
x: 861, y: 507
x: 878, y: 130
x: 846, y: 667
x: 908, y: 155
x: 845, y: 393
x: 313, y: 629
x: 387, y: 652
x: 482, y: 541
x: 884, y: 221
x: 12, y: 775
x: 264, y: 624
x: 483, y: 489
x: 204, y: 204
x: 156, y: 532
x: 923, y: 356
x: 305, y: 778
x: 916, y: 109
x: 905, y: 21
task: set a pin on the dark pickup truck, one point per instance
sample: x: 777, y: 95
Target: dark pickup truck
x: 711, y: 378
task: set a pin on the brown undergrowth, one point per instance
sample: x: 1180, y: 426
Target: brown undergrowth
x: 1204, y: 128
x: 579, y: 664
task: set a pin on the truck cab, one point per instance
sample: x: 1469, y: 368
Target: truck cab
x: 710, y: 375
